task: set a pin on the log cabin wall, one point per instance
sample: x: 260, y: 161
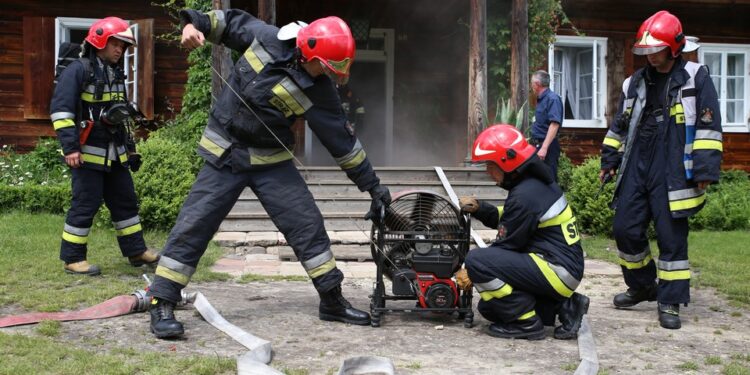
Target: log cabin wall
x: 713, y: 21
x: 27, y: 37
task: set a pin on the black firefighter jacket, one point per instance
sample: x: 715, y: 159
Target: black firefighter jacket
x: 267, y: 86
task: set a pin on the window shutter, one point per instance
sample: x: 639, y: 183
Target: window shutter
x: 146, y: 66
x: 38, y: 63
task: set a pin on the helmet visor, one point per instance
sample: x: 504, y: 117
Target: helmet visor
x: 339, y: 79
x: 647, y: 50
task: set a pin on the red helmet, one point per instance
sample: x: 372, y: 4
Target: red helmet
x: 503, y: 145
x: 658, y: 32
x: 101, y: 30
x: 330, y: 41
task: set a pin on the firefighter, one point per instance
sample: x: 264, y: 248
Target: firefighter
x: 531, y: 271
x: 352, y: 106
x: 282, y: 74
x: 690, y: 52
x: 86, y: 110
x: 665, y: 147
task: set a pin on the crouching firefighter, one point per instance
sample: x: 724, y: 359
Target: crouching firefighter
x: 665, y: 145
x: 90, y: 114
x: 282, y: 74
x: 530, y: 273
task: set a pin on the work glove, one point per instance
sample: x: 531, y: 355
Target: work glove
x: 468, y: 204
x: 381, y: 197
x: 134, y: 161
x: 463, y: 281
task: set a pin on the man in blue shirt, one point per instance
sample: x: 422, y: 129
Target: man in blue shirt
x: 547, y: 121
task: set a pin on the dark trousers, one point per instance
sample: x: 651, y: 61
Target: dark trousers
x: 643, y: 197
x: 89, y: 188
x: 531, y: 290
x: 285, y: 197
x: 553, y: 154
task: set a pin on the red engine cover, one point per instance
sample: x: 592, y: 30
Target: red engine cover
x: 436, y: 292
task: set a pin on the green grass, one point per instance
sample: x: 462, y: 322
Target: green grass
x: 718, y: 259
x: 32, y: 273
x: 33, y: 355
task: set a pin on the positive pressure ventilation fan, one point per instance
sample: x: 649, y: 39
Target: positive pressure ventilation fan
x: 419, y: 246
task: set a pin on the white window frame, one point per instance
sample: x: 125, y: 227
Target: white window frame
x: 599, y: 84
x: 725, y: 49
x: 63, y: 25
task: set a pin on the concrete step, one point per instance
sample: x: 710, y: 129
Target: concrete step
x: 399, y: 173
x: 329, y: 188
x: 326, y: 205
x: 358, y: 253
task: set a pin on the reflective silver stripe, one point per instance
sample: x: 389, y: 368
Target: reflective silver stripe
x: 216, y: 138
x: 296, y: 93
x: 317, y: 260
x: 346, y: 159
x: 688, y: 148
x: 688, y: 164
x: 629, y: 102
x: 708, y: 134
x: 635, y: 258
x: 554, y: 210
x: 565, y: 276
x: 86, y: 149
x: 218, y: 24
x: 261, y: 53
x: 77, y: 231
x: 176, y: 266
x: 685, y: 194
x: 61, y: 116
x: 673, y: 266
x: 613, y: 135
x: 127, y: 222
x: 494, y: 284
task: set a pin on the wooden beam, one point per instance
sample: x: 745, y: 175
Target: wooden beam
x: 477, y: 71
x: 221, y: 58
x: 267, y: 11
x: 519, y: 57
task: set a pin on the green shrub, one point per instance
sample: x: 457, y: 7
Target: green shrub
x: 36, y: 198
x: 564, y: 171
x: 727, y: 204
x: 593, y: 213
x: 41, y: 166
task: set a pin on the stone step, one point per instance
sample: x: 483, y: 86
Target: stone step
x: 358, y: 253
x: 399, y: 173
x: 481, y: 189
x: 326, y: 205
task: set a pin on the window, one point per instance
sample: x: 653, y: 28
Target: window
x: 729, y: 65
x: 75, y: 30
x: 578, y: 74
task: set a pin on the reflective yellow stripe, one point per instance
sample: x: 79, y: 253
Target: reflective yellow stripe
x: 270, y: 159
x: 106, y: 97
x: 565, y: 216
x: 687, y: 204
x: 528, y: 315
x: 355, y: 161
x: 88, y: 158
x: 81, y: 240
x: 679, y: 119
x: 253, y: 60
x: 282, y: 93
x: 551, y: 276
x: 129, y: 230
x: 123, y: 157
x: 66, y: 123
x: 707, y: 144
x: 211, y: 147
x: 500, y: 210
x: 612, y: 142
x: 172, y: 275
x: 676, y: 110
x: 635, y: 265
x: 673, y: 275
x: 497, y: 293
x: 322, y: 269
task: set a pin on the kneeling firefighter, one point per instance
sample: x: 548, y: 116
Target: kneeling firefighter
x: 282, y: 74
x: 529, y: 274
x: 90, y: 113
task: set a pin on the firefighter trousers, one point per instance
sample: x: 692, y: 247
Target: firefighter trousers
x: 288, y: 202
x: 511, y: 286
x: 89, y: 187
x: 643, y: 197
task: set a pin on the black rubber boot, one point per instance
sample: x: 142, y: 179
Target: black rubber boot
x: 163, y: 323
x: 529, y: 329
x: 635, y: 296
x: 571, y: 314
x: 334, y: 307
x: 669, y: 316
